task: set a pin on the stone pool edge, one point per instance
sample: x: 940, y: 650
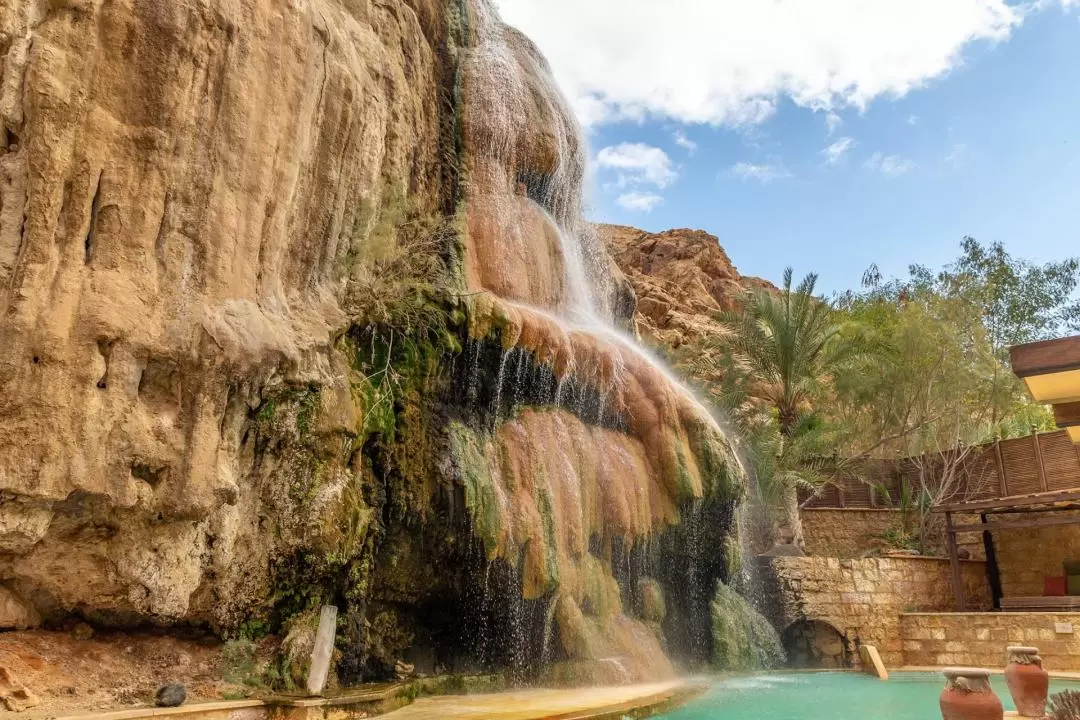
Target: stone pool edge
x: 378, y: 704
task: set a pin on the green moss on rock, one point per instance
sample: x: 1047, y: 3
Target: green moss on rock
x: 467, y: 449
x: 742, y: 638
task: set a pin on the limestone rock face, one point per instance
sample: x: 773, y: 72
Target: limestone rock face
x: 295, y: 293
x: 16, y: 613
x: 182, y: 187
x: 681, y: 277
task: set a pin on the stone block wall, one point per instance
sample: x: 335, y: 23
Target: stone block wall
x: 1026, y: 557
x: 980, y: 639
x: 845, y: 533
x: 864, y: 599
x: 856, y: 532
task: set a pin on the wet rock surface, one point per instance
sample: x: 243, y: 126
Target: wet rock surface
x: 261, y: 362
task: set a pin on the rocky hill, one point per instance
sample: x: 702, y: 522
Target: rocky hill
x: 682, y: 278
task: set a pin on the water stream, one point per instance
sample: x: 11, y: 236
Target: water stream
x: 556, y: 292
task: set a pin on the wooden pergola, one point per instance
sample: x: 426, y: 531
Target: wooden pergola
x: 1051, y: 371
x: 1008, y: 513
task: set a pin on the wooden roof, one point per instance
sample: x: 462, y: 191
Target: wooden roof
x: 1051, y: 371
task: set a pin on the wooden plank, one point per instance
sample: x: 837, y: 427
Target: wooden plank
x: 1018, y: 524
x: 1040, y: 358
x: 954, y: 564
x: 871, y: 662
x: 1067, y: 414
x: 1011, y: 501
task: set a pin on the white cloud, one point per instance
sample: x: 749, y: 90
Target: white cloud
x: 891, y: 165
x: 639, y: 202
x: 956, y: 155
x: 833, y: 122
x: 835, y: 153
x: 684, y: 142
x: 729, y: 62
x: 912, y: 119
x: 638, y: 164
x: 763, y: 174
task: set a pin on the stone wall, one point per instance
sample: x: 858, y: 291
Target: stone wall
x: 1026, y: 557
x: 980, y: 639
x: 845, y: 533
x: 856, y: 532
x: 864, y: 599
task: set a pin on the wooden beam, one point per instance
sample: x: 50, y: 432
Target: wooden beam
x: 1067, y: 414
x: 954, y: 564
x: 1056, y: 507
x: 1002, y: 481
x: 1012, y: 501
x: 1040, y: 358
x: 1018, y: 524
x: 993, y: 572
x: 1039, y: 458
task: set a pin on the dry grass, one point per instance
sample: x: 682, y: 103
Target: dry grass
x: 397, y: 268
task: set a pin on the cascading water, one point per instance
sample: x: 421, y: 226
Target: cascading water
x: 596, y: 474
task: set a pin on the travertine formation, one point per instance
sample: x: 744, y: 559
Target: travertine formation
x: 263, y: 267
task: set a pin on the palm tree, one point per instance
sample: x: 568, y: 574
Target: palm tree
x: 787, y: 343
x: 779, y: 350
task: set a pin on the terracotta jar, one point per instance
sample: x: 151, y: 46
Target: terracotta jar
x: 1028, y: 682
x: 968, y: 696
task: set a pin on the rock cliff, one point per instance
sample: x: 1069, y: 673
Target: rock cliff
x: 682, y: 279
x: 299, y: 307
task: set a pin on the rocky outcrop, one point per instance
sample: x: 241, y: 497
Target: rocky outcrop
x: 185, y: 186
x: 273, y: 276
x: 682, y: 279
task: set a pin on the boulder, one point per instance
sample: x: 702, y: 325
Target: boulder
x: 171, y: 695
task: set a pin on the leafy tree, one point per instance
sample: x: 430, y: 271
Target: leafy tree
x: 961, y: 321
x: 1020, y: 302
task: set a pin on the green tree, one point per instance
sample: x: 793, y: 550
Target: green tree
x: 1020, y: 302
x: 774, y: 358
x: 967, y: 316
x: 788, y: 344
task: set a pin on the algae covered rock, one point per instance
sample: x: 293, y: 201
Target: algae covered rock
x: 297, y: 647
x: 742, y: 638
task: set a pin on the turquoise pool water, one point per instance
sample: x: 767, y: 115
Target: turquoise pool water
x: 828, y: 696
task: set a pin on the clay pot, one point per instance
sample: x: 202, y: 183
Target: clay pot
x: 1028, y: 682
x: 968, y: 696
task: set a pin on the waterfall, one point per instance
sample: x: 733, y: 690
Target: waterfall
x: 595, y: 446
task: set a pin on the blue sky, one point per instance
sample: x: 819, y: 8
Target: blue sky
x: 975, y: 136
